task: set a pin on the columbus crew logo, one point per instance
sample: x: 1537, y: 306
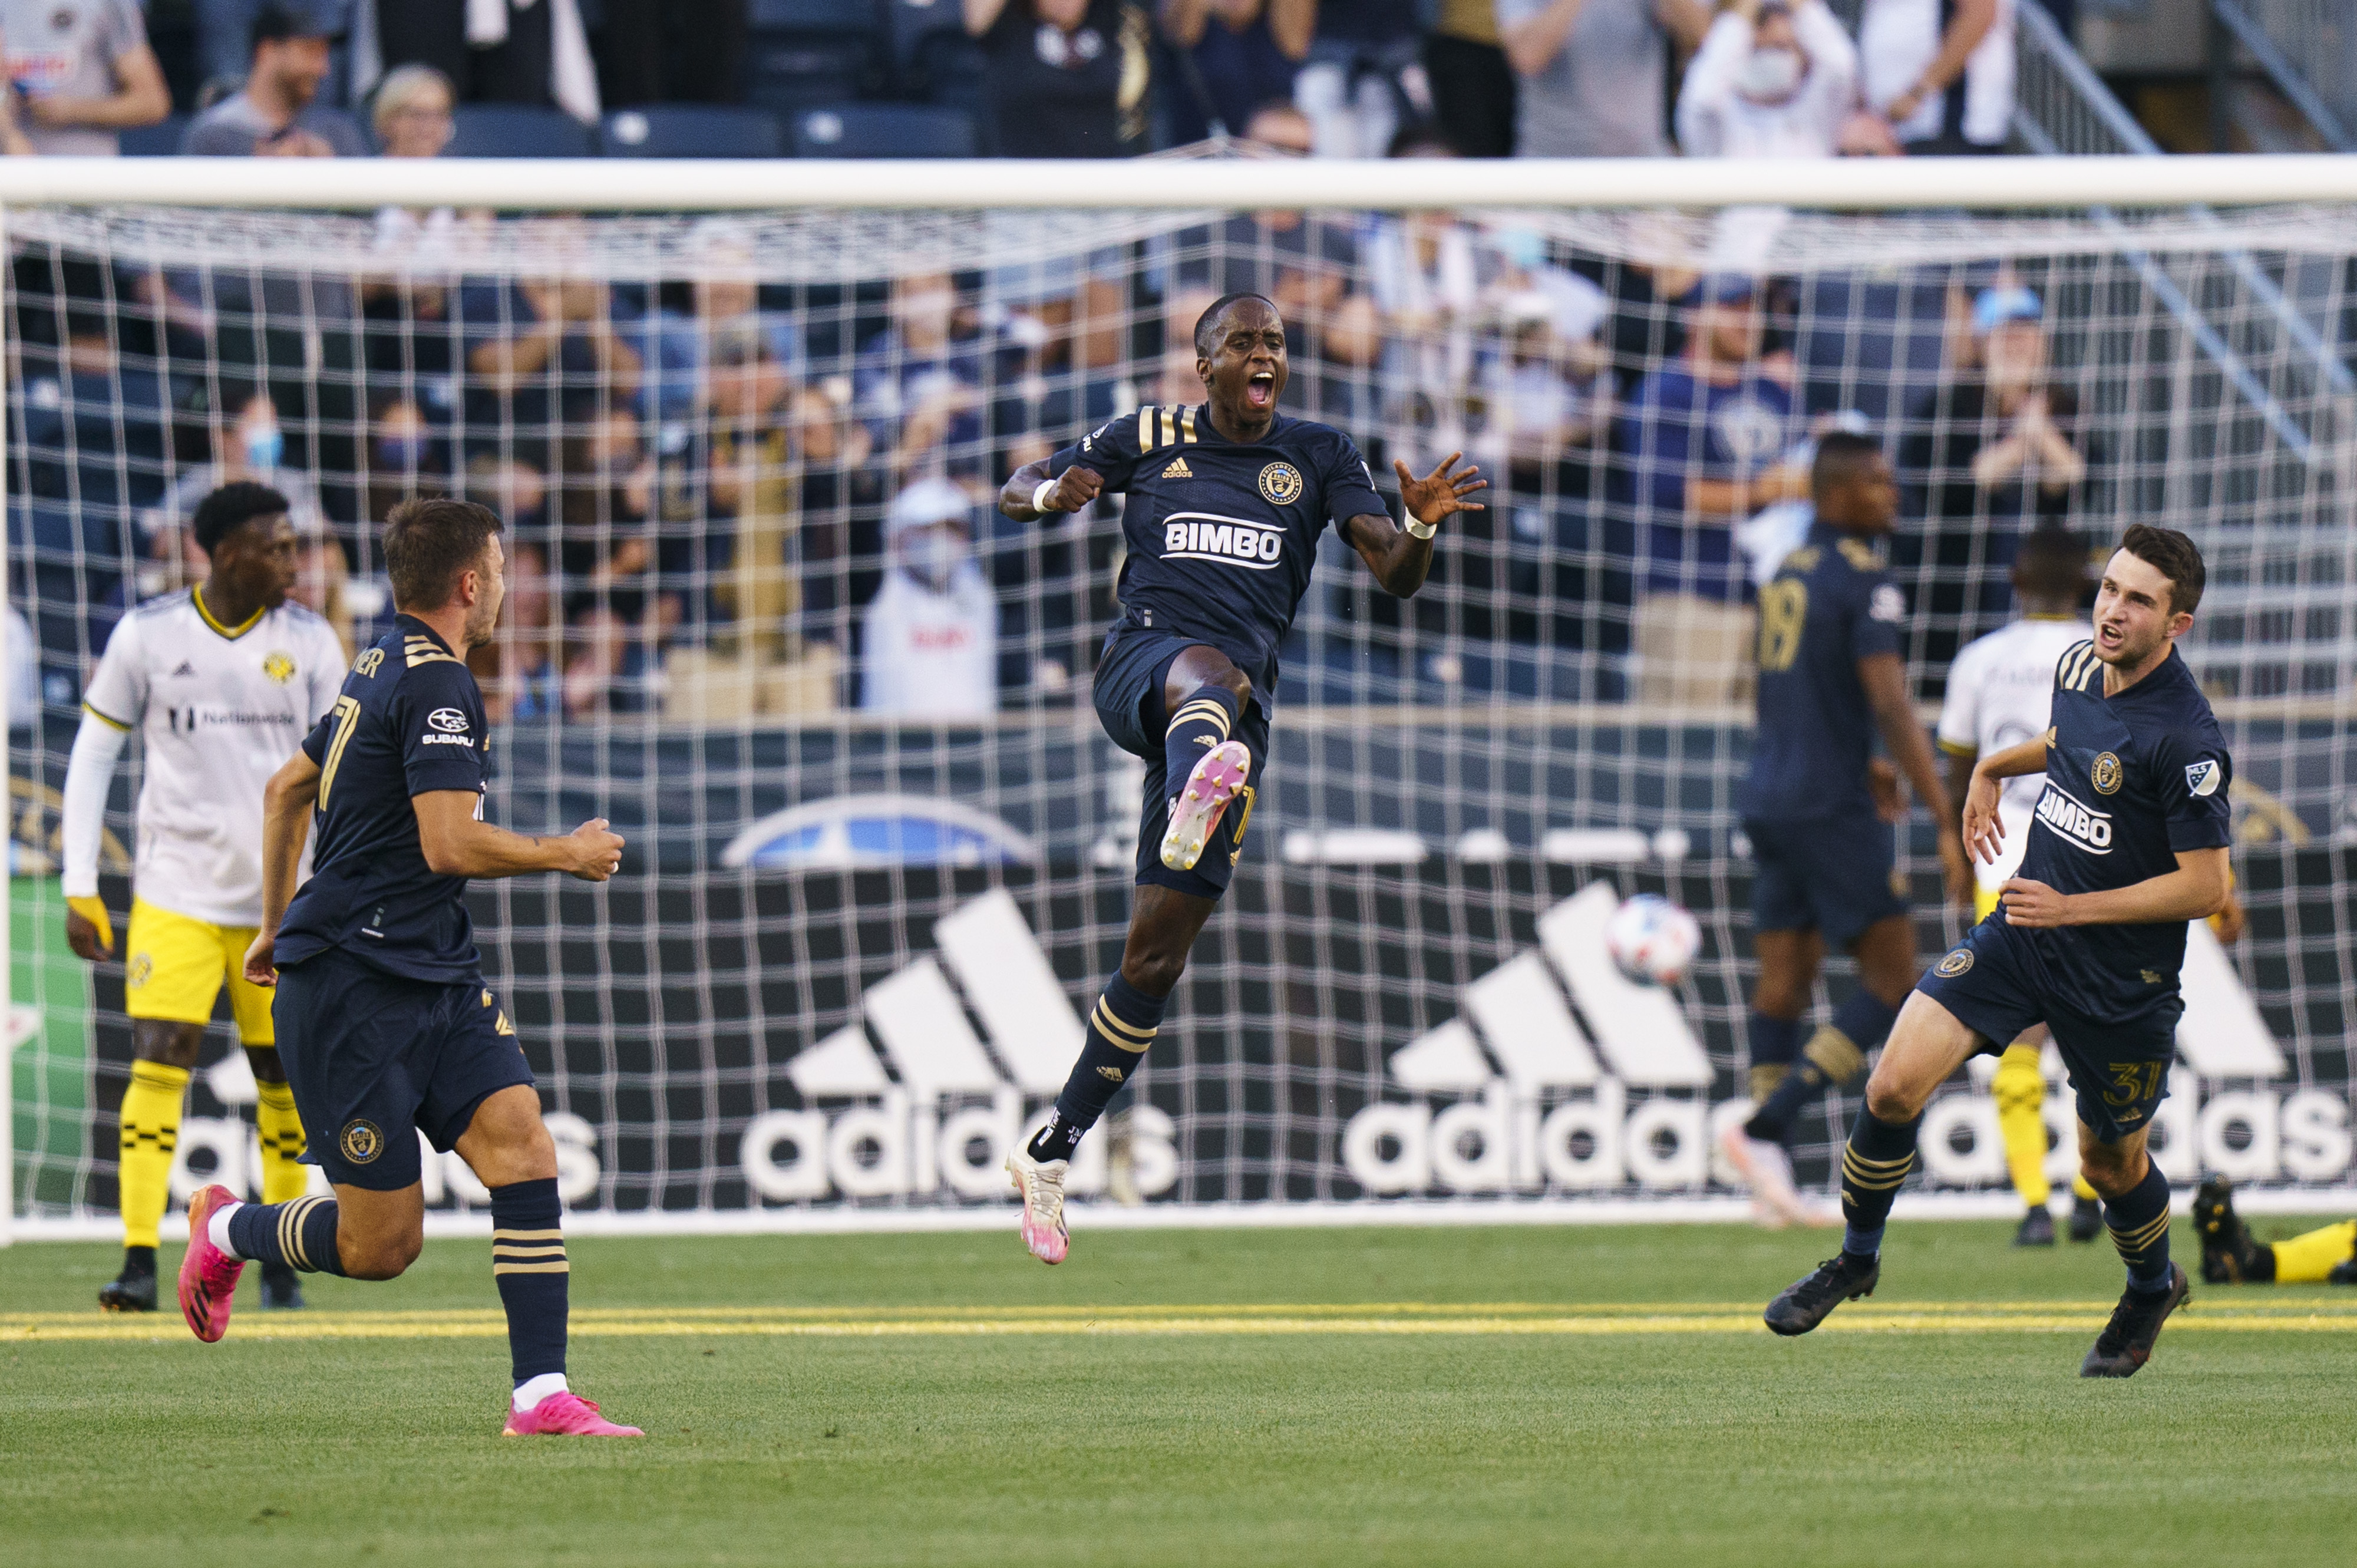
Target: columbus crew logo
x: 1955, y: 964
x: 142, y: 970
x: 279, y: 665
x: 361, y: 1141
x: 1281, y: 483
x: 2105, y: 773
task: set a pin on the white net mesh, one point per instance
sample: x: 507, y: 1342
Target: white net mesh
x: 698, y: 428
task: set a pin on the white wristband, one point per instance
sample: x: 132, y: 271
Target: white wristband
x: 1039, y: 497
x: 1419, y: 528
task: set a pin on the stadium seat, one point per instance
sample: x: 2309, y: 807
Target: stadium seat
x: 807, y: 52
x: 692, y: 130
x: 823, y: 15
x: 883, y: 131
x: 515, y: 131
x: 160, y: 140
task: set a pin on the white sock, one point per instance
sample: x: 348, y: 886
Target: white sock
x: 531, y: 1390
x: 217, y: 1228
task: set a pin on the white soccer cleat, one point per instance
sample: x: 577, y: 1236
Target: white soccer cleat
x: 1195, y: 814
x: 1041, y: 1183
x: 1766, y: 1169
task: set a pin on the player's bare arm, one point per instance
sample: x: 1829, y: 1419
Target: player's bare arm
x: 1984, y: 829
x: 1885, y: 684
x: 458, y: 844
x: 1023, y: 500
x: 2198, y: 889
x: 287, y: 805
x: 1400, y: 557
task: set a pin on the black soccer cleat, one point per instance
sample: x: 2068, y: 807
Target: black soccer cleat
x: 2086, y: 1220
x: 132, y: 1290
x: 282, y: 1288
x: 2036, y: 1229
x: 2343, y: 1274
x: 1806, y: 1301
x: 2229, y: 1255
x: 2126, y: 1342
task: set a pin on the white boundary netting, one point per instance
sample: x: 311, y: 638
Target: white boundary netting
x: 845, y: 964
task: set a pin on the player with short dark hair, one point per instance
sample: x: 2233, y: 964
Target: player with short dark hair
x: 1227, y: 499
x: 1820, y: 809
x: 386, y: 1027
x: 221, y: 682
x: 2130, y: 843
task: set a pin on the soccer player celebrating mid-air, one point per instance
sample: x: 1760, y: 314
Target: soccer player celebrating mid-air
x: 2130, y: 843
x: 221, y: 683
x: 385, y: 1025
x: 1820, y: 810
x: 1227, y: 501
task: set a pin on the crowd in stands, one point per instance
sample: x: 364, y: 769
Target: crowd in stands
x: 730, y: 496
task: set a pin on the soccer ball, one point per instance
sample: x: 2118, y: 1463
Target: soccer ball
x: 1654, y: 940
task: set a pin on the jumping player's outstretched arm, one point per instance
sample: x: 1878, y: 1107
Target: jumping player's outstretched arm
x: 1984, y: 831
x: 1399, y: 557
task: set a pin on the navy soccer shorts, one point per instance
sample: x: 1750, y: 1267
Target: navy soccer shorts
x: 1997, y: 983
x: 1836, y: 874
x: 371, y: 1055
x: 1129, y: 679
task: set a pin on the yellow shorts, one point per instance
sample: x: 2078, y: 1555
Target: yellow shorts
x: 175, y: 967
x: 1983, y: 902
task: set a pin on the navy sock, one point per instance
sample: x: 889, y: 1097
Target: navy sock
x: 1834, y: 1058
x: 529, y: 1264
x: 1775, y: 1042
x: 1121, y: 1027
x: 299, y: 1233
x: 1202, y: 722
x: 1874, y: 1163
x: 2138, y: 1221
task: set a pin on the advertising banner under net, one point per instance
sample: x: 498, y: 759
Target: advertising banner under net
x: 764, y: 617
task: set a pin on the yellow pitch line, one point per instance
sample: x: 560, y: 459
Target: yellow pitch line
x: 612, y: 1324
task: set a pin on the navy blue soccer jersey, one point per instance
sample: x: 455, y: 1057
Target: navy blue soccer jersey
x: 1222, y: 534
x: 2131, y: 781
x: 1829, y: 605
x: 410, y: 722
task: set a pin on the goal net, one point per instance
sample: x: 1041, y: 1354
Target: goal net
x: 763, y: 617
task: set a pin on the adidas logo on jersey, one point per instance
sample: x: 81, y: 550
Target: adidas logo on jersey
x: 1179, y: 470
x: 187, y: 672
x: 2090, y: 830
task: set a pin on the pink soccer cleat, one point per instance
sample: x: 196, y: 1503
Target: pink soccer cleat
x: 1041, y: 1183
x: 1195, y: 814
x: 563, y: 1415
x: 1766, y: 1169
x: 207, y: 1274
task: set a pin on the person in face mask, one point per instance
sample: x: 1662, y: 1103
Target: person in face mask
x: 930, y: 640
x: 1773, y: 80
x: 248, y: 443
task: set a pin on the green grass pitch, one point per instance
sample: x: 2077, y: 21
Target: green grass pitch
x: 1503, y: 1395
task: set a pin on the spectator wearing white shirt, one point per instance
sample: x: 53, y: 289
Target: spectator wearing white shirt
x: 930, y: 642
x: 1940, y: 72
x: 1772, y: 79
x: 83, y: 72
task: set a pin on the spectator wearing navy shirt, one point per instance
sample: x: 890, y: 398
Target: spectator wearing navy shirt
x: 1699, y: 442
x: 1068, y: 79
x: 1234, y: 56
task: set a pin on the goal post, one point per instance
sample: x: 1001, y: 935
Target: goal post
x: 744, y: 422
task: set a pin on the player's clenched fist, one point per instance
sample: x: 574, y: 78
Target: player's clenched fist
x: 596, y: 851
x: 1070, y: 492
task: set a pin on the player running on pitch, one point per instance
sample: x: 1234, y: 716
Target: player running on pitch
x: 1819, y: 812
x: 221, y: 683
x: 1227, y: 501
x: 2130, y: 844
x: 385, y: 1024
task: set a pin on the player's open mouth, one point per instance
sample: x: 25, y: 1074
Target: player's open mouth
x: 1261, y: 390
x: 2109, y: 636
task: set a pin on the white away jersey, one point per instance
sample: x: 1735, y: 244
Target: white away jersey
x: 218, y: 709
x: 2001, y: 694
